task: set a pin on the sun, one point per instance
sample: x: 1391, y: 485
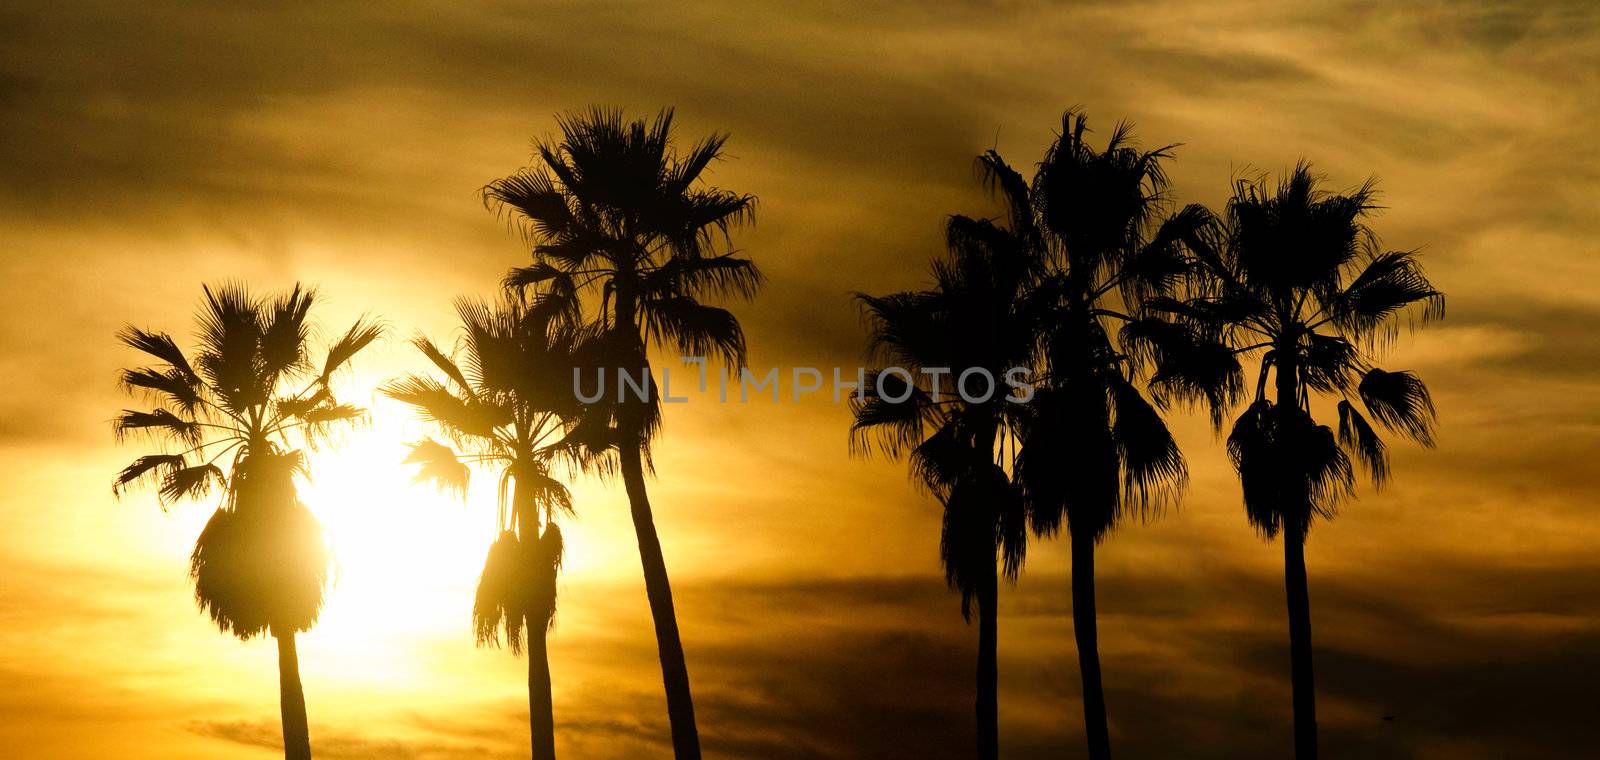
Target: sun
x: 398, y: 545
x: 407, y: 556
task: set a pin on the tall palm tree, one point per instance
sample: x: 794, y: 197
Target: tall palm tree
x: 507, y: 403
x: 1295, y: 273
x: 253, y: 392
x: 614, y: 208
x: 1094, y: 448
x: 973, y: 322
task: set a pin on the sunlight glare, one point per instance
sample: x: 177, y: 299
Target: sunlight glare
x: 407, y: 556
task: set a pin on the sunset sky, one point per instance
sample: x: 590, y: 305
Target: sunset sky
x: 147, y: 148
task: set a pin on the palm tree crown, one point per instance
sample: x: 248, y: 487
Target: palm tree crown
x: 1294, y: 273
x: 1096, y: 448
x: 976, y: 316
x: 253, y: 392
x: 505, y: 402
x: 613, y: 207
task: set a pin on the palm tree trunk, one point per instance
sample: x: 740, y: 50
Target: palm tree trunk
x: 674, y: 672
x: 988, y: 702
x: 541, y: 710
x: 1086, y: 628
x: 1295, y: 524
x: 292, y: 701
x: 1300, y: 672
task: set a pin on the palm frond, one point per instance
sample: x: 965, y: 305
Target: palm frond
x: 939, y: 461
x: 1358, y: 436
x: 440, y: 466
x: 437, y: 404
x: 1153, y: 470
x: 322, y: 421
x: 1400, y: 402
x: 360, y: 335
x: 1328, y: 363
x: 1008, y: 185
x: 190, y: 482
x: 1069, y: 468
x: 148, y: 466
x: 160, y: 424
x: 695, y: 328
x: 298, y: 406
x: 161, y: 346
x: 683, y: 174
x: 905, y: 330
x: 724, y: 276
x: 505, y: 593
x: 1159, y: 265
x: 284, y: 331
x: 532, y: 197
x: 970, y: 533
x: 1189, y: 366
x: 1291, y: 468
x: 550, y: 554
x: 522, y: 277
x: 556, y: 291
x: 557, y: 301
x: 329, y: 413
x: 695, y: 220
x: 230, y: 358
x: 174, y: 386
x: 1387, y: 285
x: 882, y: 424
x: 444, y: 363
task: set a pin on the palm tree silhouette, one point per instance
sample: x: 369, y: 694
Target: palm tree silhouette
x: 1094, y: 448
x: 974, y: 320
x: 1295, y: 272
x: 252, y: 390
x: 507, y: 403
x: 615, y: 208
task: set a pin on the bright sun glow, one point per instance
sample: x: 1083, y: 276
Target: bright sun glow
x: 400, y: 547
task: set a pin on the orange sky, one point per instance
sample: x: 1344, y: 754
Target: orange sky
x: 147, y: 148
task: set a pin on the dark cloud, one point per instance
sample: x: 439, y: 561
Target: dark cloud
x: 881, y: 667
x: 1554, y: 340
x: 336, y: 744
x: 1219, y: 69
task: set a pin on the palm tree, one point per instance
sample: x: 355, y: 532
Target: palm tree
x: 613, y: 207
x: 252, y: 391
x: 1295, y: 272
x: 1094, y: 448
x: 932, y: 405
x: 507, y: 402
